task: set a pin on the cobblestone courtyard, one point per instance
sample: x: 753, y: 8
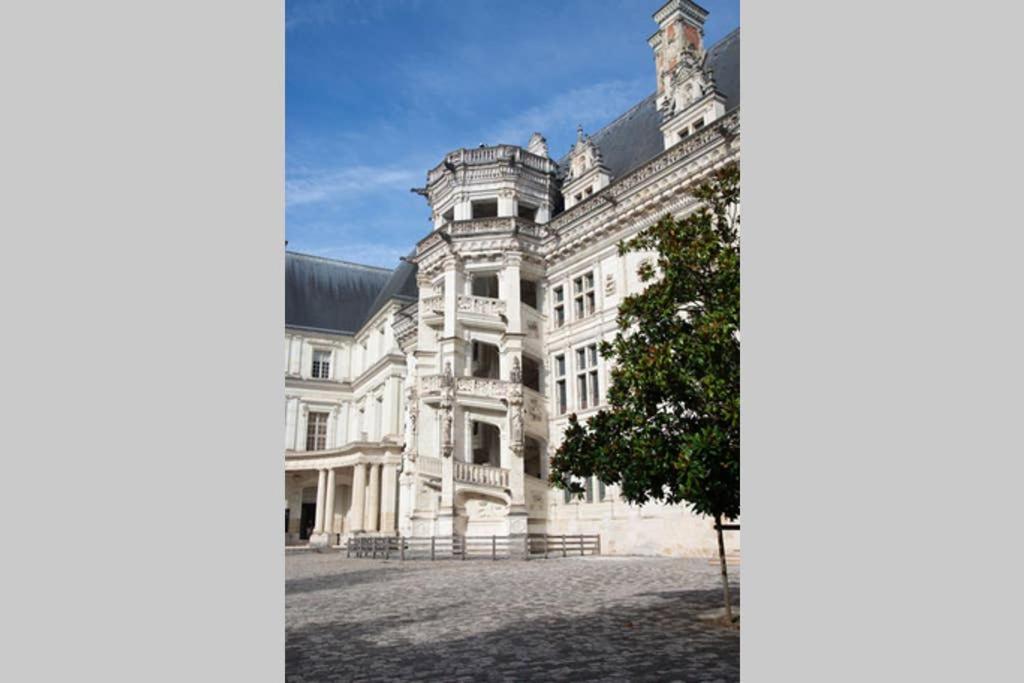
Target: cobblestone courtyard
x: 581, y: 619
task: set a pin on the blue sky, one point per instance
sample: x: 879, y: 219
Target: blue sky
x: 377, y: 91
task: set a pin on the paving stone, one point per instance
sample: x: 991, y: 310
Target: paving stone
x: 553, y: 620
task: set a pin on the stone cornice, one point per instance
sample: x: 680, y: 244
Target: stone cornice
x: 352, y: 453
x: 318, y: 384
x: 638, y: 193
x: 396, y: 360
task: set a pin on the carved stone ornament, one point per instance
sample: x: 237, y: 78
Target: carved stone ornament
x: 446, y: 431
x: 609, y: 284
x: 516, y: 376
x: 412, y: 416
x: 516, y: 420
x: 448, y: 426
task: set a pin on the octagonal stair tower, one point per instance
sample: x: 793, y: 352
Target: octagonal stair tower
x: 479, y: 354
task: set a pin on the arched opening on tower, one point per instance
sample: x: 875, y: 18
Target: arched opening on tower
x: 532, y: 450
x: 485, y: 208
x: 528, y: 293
x: 486, y: 444
x: 485, y: 284
x: 531, y: 373
x: 485, y: 360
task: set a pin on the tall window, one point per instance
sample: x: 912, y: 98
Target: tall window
x: 589, y: 493
x: 587, y: 392
x: 561, y: 397
x: 559, y: 297
x: 316, y: 432
x: 322, y: 364
x: 583, y: 294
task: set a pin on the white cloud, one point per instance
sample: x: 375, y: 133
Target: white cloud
x: 308, y: 187
x: 593, y: 105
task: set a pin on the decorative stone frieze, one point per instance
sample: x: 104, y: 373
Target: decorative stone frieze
x: 481, y: 305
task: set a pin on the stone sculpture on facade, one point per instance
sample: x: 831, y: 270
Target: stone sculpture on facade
x: 447, y: 408
x: 515, y: 406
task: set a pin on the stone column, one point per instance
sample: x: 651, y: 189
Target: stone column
x: 388, y: 498
x: 329, y: 504
x: 321, y: 492
x: 463, y: 208
x: 506, y: 203
x: 373, y: 499
x: 356, y: 511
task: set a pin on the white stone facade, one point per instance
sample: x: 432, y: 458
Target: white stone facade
x: 439, y: 416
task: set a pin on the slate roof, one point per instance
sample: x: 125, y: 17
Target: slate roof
x: 338, y: 296
x: 324, y: 294
x: 401, y: 285
x: 635, y: 137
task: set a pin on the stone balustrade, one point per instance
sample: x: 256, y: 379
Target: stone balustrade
x: 481, y: 156
x: 477, y: 226
x: 474, y: 386
x: 428, y: 465
x: 434, y: 303
x: 431, y: 384
x: 483, y: 305
x: 482, y: 386
x: 481, y: 474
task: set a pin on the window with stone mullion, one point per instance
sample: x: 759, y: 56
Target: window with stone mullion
x: 316, y: 431
x: 321, y: 364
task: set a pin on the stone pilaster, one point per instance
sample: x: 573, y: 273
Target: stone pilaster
x: 388, y: 498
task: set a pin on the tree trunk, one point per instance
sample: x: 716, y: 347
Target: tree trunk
x: 725, y: 572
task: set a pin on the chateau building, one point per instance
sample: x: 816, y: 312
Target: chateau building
x: 427, y: 400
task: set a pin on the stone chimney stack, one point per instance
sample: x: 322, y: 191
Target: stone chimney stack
x: 680, y: 30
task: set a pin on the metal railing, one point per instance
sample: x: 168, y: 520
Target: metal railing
x: 457, y: 547
x: 549, y: 545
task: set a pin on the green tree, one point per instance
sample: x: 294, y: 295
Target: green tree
x: 671, y: 431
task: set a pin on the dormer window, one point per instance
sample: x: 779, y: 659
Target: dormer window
x: 698, y: 124
x: 589, y: 191
x: 321, y: 364
x: 579, y: 197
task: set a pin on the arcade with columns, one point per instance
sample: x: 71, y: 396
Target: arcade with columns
x: 427, y: 400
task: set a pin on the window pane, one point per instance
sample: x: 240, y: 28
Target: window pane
x: 593, y: 354
x: 581, y: 359
x: 589, y: 279
x: 581, y: 390
x: 593, y: 389
x: 559, y: 365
